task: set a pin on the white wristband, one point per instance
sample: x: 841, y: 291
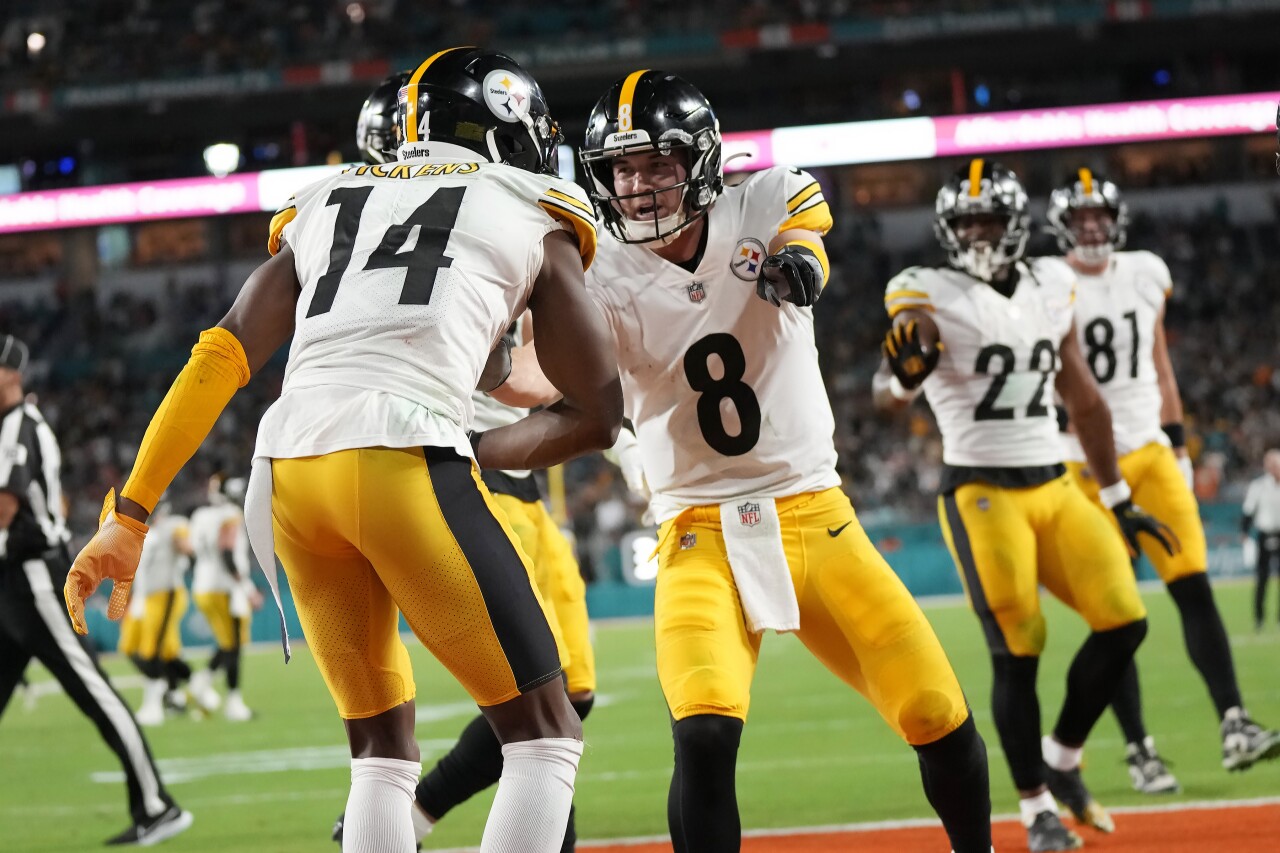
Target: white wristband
x: 898, y: 392
x: 1117, y: 493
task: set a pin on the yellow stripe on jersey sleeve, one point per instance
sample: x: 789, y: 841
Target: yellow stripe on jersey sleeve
x: 793, y: 203
x: 897, y: 308
x: 904, y: 299
x: 278, y: 222
x: 568, y: 199
x: 583, y: 227
x: 815, y: 217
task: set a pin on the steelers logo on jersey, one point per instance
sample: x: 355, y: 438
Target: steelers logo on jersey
x: 506, y: 95
x: 746, y: 259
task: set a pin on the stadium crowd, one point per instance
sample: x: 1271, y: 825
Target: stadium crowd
x: 100, y: 366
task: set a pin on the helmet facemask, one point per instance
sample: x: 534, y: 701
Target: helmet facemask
x: 702, y: 160
x: 998, y: 194
x: 1090, y: 192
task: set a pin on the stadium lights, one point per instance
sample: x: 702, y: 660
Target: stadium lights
x: 222, y: 158
x: 35, y: 44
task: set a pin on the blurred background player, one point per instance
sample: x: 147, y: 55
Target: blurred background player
x: 1262, y: 516
x: 475, y: 762
x: 223, y: 590
x: 151, y: 634
x: 756, y: 533
x: 989, y: 338
x: 33, y: 622
x: 1119, y: 313
x: 365, y: 482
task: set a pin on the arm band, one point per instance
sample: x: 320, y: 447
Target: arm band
x: 1177, y: 435
x: 1115, y: 494
x: 216, y: 370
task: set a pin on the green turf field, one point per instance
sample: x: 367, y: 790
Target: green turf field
x: 813, y: 753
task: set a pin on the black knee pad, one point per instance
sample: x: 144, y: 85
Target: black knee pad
x: 1192, y: 593
x: 583, y: 706
x: 708, y: 737
x: 1127, y: 638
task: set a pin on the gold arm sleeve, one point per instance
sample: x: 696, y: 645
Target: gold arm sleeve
x: 216, y: 370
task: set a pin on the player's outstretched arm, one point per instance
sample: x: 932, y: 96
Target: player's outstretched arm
x: 221, y: 363
x: 911, y: 350
x: 575, y: 353
x: 1091, y: 420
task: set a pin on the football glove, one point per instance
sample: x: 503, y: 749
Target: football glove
x: 907, y: 357
x: 793, y: 274
x: 1134, y: 520
x: 113, y: 552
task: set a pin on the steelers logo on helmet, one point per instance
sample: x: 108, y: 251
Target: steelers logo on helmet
x: 507, y: 95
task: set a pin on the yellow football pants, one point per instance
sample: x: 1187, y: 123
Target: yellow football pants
x: 367, y: 534
x: 556, y: 573
x: 1158, y: 487
x: 157, y: 633
x: 855, y: 616
x: 1007, y: 542
x: 229, y: 632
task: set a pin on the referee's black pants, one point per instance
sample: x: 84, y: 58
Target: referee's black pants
x: 34, y: 624
x: 1268, y: 563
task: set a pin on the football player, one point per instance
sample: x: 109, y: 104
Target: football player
x: 223, y: 591
x: 393, y: 284
x: 1119, y: 311
x: 989, y: 338
x: 475, y: 762
x: 151, y: 635
x: 709, y: 292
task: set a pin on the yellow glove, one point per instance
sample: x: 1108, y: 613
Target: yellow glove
x: 113, y: 552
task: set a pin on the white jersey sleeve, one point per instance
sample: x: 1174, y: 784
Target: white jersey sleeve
x: 1117, y: 317
x: 409, y: 275
x: 210, y: 572
x: 724, y: 389
x: 992, y: 389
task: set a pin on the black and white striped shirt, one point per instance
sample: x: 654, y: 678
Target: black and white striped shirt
x: 30, y: 469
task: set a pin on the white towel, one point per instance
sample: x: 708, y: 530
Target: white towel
x: 257, y: 522
x: 753, y: 540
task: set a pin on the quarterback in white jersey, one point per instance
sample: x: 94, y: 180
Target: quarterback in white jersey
x: 990, y: 338
x: 394, y: 283
x: 709, y: 292
x: 1120, y: 306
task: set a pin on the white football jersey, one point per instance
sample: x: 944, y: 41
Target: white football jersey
x: 1116, y: 317
x: 209, y: 573
x: 162, y: 564
x: 992, y: 389
x: 409, y: 274
x: 723, y: 388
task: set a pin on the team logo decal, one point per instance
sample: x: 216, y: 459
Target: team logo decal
x: 746, y: 259
x: 696, y: 292
x: 688, y: 540
x: 506, y: 95
x: 749, y: 514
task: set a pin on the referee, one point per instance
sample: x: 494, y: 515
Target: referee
x: 1262, y: 515
x: 33, y: 621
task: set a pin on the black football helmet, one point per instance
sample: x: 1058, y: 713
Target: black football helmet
x: 653, y: 111
x: 377, y: 135
x: 1088, y: 189
x: 983, y: 187
x: 466, y: 101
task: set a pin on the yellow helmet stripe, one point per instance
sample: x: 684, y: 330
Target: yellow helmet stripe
x: 975, y: 177
x: 625, y: 120
x: 1086, y: 181
x: 411, y: 105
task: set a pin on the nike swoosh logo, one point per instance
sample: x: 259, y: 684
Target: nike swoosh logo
x: 834, y: 533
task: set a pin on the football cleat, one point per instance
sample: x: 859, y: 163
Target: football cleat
x: 1147, y: 771
x: 1068, y: 788
x: 161, y: 828
x: 1244, y: 742
x: 235, y: 710
x: 1047, y: 833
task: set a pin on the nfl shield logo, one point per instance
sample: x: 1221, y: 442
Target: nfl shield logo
x: 749, y: 514
x: 696, y: 292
